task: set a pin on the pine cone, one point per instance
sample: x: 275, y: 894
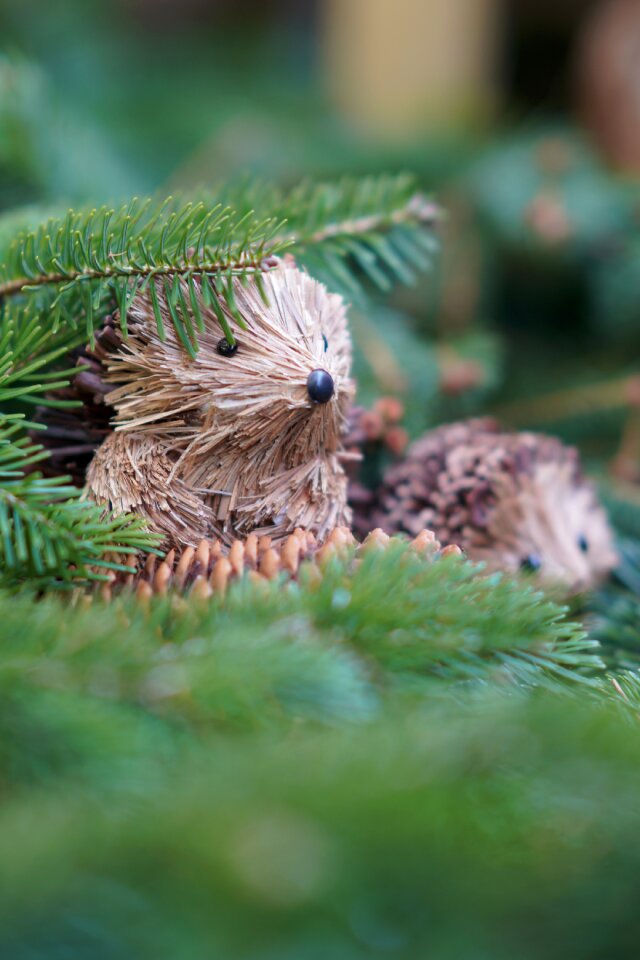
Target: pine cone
x: 514, y: 501
x: 209, y: 568
x: 74, y: 434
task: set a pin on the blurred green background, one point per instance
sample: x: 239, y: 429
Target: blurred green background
x: 328, y: 807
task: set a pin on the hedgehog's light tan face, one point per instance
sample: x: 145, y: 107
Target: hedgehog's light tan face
x: 287, y: 388
x: 256, y: 432
x: 548, y: 525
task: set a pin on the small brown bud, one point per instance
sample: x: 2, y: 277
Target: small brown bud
x: 390, y: 409
x: 144, y: 592
x: 203, y: 554
x: 251, y: 550
x: 220, y: 574
x: 162, y: 578
x: 184, y: 565
x: 326, y: 552
x: 201, y: 589
x: 372, y: 425
x: 150, y: 566
x: 396, y: 439
x: 458, y: 375
x: 290, y: 554
x: 375, y: 540
x: 547, y: 216
x: 269, y: 564
x: 425, y: 542
x: 106, y: 592
x: 236, y: 557
x: 453, y: 550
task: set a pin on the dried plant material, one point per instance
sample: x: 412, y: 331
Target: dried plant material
x: 74, y: 432
x: 131, y: 475
x: 210, y: 568
x: 379, y: 425
x: 512, y: 500
x: 231, y: 441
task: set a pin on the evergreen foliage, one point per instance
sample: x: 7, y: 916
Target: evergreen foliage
x: 393, y: 693
x: 615, y: 611
x: 326, y: 650
x: 49, y: 536
x: 70, y: 267
x: 504, y: 826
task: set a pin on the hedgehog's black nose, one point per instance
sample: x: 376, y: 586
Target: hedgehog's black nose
x: 320, y: 386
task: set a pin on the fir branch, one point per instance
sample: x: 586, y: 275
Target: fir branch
x: 444, y: 621
x: 378, y: 225
x: 624, y: 688
x: 48, y: 534
x: 381, y: 228
x: 396, y: 626
x: 30, y: 352
x: 510, y: 828
x: 107, y: 255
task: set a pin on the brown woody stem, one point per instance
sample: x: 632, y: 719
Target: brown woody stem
x: 17, y: 286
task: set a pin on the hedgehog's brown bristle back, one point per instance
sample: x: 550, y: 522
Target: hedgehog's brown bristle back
x: 515, y: 501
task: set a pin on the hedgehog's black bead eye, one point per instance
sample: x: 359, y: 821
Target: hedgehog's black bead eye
x: 320, y: 386
x: 531, y: 563
x: 226, y: 349
x: 583, y: 543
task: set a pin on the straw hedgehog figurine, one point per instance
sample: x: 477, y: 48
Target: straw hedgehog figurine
x: 237, y: 439
x: 516, y: 501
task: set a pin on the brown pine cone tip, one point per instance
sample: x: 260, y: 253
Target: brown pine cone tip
x: 74, y: 434
x: 515, y: 501
x: 209, y: 568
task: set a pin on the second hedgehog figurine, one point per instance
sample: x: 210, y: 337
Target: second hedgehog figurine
x: 515, y: 501
x: 240, y: 438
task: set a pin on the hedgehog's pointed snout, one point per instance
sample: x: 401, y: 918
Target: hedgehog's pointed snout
x: 320, y: 386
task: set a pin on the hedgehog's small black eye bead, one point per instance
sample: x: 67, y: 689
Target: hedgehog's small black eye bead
x: 583, y: 543
x: 531, y: 563
x: 226, y: 349
x: 320, y: 386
